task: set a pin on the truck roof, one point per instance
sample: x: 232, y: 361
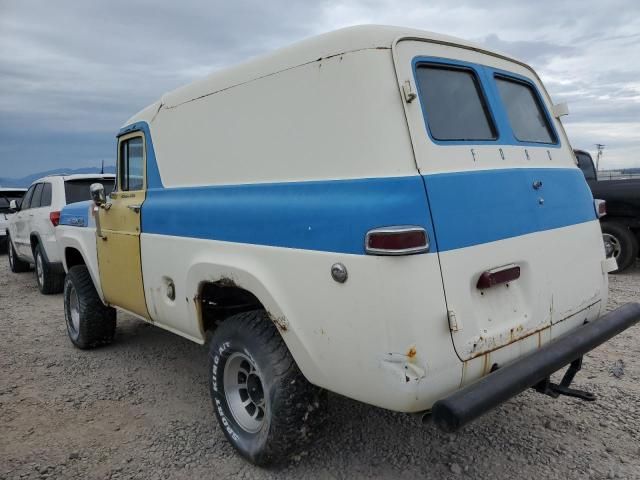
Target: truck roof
x: 75, y: 176
x: 341, y: 41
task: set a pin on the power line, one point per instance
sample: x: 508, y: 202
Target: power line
x: 600, y: 147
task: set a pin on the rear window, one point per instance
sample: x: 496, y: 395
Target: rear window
x: 526, y: 114
x: 78, y: 190
x: 453, y: 103
x: 6, y: 197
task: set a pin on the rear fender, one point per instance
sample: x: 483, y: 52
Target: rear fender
x: 272, y: 299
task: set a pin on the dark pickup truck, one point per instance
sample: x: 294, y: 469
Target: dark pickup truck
x: 621, y: 224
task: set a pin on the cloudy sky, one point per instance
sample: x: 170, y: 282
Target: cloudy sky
x: 71, y: 72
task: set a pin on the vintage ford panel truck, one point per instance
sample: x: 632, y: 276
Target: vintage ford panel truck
x: 389, y: 214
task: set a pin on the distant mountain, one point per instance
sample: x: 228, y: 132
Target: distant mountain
x: 29, y: 179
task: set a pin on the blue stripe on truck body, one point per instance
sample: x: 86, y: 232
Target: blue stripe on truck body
x: 331, y: 216
x: 474, y: 207
x: 468, y: 208
x: 76, y: 214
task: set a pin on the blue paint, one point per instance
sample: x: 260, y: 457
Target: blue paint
x: 486, y: 80
x: 331, y: 216
x: 76, y: 214
x: 153, y: 174
x: 472, y: 208
x: 468, y: 208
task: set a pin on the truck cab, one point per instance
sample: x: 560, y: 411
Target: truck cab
x: 621, y: 225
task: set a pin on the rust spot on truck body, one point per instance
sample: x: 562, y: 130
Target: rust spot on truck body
x: 280, y: 322
x: 226, y: 282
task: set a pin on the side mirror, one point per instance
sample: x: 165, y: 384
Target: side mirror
x: 97, y: 194
x: 13, y: 206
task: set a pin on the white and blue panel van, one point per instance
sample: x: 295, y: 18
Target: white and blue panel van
x: 398, y: 215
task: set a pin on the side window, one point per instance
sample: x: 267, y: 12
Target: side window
x: 45, y: 200
x: 453, y: 103
x: 37, y: 196
x: 26, y: 203
x: 526, y: 113
x: 131, y: 168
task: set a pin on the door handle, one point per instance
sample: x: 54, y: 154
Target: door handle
x: 135, y: 208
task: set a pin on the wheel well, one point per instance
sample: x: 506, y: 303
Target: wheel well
x: 219, y: 300
x: 34, y: 240
x: 73, y: 257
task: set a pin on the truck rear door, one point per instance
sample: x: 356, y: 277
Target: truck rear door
x: 516, y: 231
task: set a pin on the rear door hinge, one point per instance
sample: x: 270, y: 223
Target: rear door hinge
x: 454, y: 324
x: 409, y: 92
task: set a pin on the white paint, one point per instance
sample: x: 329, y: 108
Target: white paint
x: 333, y: 107
x: 560, y: 274
x: 316, y: 121
x: 339, y: 334
x: 82, y: 239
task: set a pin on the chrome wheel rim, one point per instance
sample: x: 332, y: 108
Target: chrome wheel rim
x: 614, y: 244
x: 243, y: 389
x: 39, y: 272
x: 74, y: 309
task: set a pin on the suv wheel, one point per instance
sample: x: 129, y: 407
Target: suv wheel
x: 623, y: 243
x: 90, y: 323
x: 16, y: 265
x: 264, y: 405
x: 48, y: 281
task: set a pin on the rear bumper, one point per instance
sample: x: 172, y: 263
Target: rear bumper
x: 467, y: 404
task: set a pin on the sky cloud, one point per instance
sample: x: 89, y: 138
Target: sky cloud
x: 71, y: 72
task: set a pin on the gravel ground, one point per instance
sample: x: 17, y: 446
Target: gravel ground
x: 140, y: 409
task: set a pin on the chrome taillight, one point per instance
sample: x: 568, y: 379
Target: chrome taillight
x: 396, y: 240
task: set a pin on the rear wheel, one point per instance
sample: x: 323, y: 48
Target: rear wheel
x: 622, y: 243
x: 90, y: 323
x: 264, y: 405
x: 48, y: 281
x: 16, y: 265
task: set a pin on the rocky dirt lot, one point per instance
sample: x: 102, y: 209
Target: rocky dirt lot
x: 140, y: 409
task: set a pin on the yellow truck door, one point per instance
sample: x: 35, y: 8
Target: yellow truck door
x: 119, y: 243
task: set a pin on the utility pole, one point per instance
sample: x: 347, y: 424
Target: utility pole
x: 600, y: 148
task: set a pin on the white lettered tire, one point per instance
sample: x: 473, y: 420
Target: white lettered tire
x: 264, y: 405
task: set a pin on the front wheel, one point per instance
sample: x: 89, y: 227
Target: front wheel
x: 265, y: 406
x: 90, y: 323
x: 622, y: 243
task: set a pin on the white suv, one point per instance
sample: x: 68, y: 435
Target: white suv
x: 6, y: 195
x: 30, y: 232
